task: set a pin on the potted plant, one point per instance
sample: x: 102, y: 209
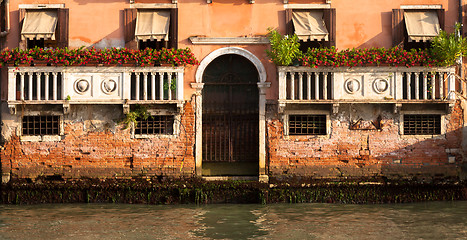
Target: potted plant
x: 448, y: 48
x: 284, y: 49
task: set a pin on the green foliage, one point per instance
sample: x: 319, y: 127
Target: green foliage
x: 138, y: 112
x: 173, y: 85
x: 447, y: 48
x: 284, y: 49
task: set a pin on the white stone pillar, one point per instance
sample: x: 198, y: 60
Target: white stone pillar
x: 451, y: 86
x: 262, y: 86
x: 180, y: 86
x: 126, y: 88
x: 12, y: 85
x: 398, y: 88
x: 198, y: 127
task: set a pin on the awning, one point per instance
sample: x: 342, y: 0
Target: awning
x: 152, y: 25
x: 39, y: 24
x: 421, y: 25
x: 309, y: 25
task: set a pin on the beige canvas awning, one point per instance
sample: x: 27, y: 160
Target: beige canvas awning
x: 39, y: 24
x: 422, y: 25
x: 152, y: 25
x: 309, y: 25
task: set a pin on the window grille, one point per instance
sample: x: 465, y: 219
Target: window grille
x: 161, y: 124
x: 307, y: 124
x: 422, y: 124
x: 41, y: 125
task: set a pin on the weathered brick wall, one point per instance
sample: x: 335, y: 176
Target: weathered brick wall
x: 95, y: 144
x: 365, y: 153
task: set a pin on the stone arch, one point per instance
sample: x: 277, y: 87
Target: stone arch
x: 262, y: 86
x: 231, y: 50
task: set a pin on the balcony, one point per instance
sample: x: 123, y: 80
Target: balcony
x: 94, y: 85
x: 389, y: 85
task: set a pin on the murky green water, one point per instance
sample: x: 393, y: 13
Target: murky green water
x: 435, y: 220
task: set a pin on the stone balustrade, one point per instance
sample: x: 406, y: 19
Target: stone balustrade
x: 94, y: 85
x: 365, y: 84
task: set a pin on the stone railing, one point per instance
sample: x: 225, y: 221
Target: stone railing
x: 365, y: 84
x: 94, y: 85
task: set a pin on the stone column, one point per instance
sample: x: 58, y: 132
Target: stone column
x: 198, y: 127
x: 263, y: 177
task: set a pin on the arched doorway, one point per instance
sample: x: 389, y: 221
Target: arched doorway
x: 230, y: 144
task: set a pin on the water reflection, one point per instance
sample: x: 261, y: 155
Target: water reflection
x: 436, y: 220
x: 222, y: 222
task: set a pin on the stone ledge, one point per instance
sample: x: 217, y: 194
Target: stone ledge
x: 229, y: 40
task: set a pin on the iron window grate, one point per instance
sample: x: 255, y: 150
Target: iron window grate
x: 422, y: 124
x: 161, y: 124
x: 307, y: 124
x: 41, y: 125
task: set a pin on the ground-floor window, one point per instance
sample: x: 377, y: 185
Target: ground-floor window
x: 307, y: 124
x: 422, y: 124
x: 40, y: 125
x: 159, y: 124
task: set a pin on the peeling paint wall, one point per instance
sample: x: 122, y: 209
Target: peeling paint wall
x: 384, y: 152
x: 95, y: 143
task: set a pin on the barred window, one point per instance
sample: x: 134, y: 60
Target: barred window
x: 160, y: 124
x: 421, y: 124
x: 307, y: 124
x: 41, y: 125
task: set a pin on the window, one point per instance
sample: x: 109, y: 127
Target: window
x: 415, y: 28
x: 314, y: 27
x: 43, y: 27
x: 41, y: 125
x: 3, y: 16
x: 151, y: 28
x: 422, y: 124
x: 307, y: 124
x: 159, y: 124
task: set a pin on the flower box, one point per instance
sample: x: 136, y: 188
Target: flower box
x: 97, y: 57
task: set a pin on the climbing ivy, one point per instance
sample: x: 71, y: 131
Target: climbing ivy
x: 138, y: 112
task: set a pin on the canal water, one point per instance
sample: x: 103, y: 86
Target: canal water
x: 433, y: 220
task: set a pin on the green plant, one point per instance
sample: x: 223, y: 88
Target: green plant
x: 138, y: 112
x: 447, y: 48
x: 68, y: 98
x: 284, y: 49
x: 173, y: 84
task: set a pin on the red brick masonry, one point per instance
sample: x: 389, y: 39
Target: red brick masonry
x: 365, y: 153
x: 103, y: 154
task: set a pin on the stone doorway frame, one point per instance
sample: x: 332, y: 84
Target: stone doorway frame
x: 262, y: 86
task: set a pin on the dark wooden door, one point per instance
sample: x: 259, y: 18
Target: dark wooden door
x: 230, y: 110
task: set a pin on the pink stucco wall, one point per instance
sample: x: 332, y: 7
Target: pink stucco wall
x: 359, y: 23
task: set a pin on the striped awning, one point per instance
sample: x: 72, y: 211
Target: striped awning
x: 421, y: 25
x: 309, y: 25
x: 152, y: 25
x: 39, y: 25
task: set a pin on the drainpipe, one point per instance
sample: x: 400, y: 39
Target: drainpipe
x: 7, y: 24
x: 4, y: 176
x: 463, y: 171
x: 460, y: 20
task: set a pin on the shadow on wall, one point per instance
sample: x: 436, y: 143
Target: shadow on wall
x: 113, y: 39
x: 367, y: 141
x: 85, y: 2
x: 436, y: 157
x: 383, y: 39
x: 399, y: 155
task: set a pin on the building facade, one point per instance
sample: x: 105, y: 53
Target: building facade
x: 235, y: 113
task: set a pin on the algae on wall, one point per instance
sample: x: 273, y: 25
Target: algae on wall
x: 196, y: 191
